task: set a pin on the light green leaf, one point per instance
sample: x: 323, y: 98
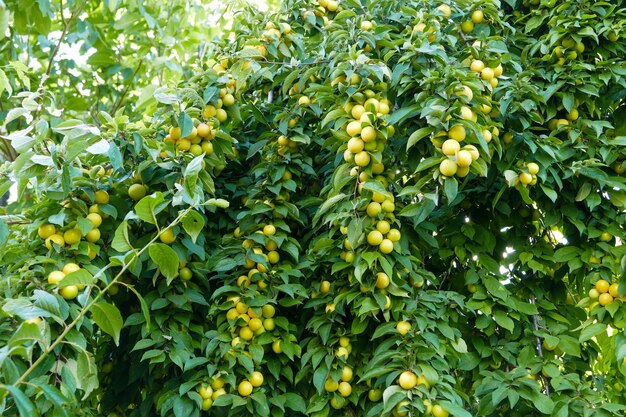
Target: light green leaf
x: 193, y: 223
x: 80, y: 277
x: 591, y: 331
x: 148, y: 207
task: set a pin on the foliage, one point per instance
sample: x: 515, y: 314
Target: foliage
x: 347, y: 209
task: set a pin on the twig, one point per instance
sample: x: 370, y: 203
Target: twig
x: 66, y: 25
x: 539, y: 347
x: 118, y: 103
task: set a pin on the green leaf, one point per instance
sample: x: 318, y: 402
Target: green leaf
x: 193, y: 222
x: 4, y: 231
x: 25, y: 332
x: 451, y: 188
x: 295, y: 402
x: 80, y: 277
x: 418, y: 135
x: 165, y: 258
x: 142, y: 302
x: 185, y: 124
x: 504, y: 321
x: 591, y: 331
x: 191, y: 174
x: 109, y: 319
x: 121, y: 242
x: 454, y: 409
x: 22, y: 402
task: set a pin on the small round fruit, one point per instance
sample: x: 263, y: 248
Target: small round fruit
x: 478, y: 16
x: 256, y: 379
x: 185, y: 274
x: 403, y: 327
x: 362, y: 159
x: 457, y: 132
x: 206, y: 404
x: 383, y: 226
x: 228, y: 100
x: 217, y: 383
x: 375, y: 395
x: 593, y: 293
x: 394, y: 235
x: 602, y: 286
x: 386, y: 246
x: 450, y: 147
x: 382, y: 280
x: 345, y: 389
x: 472, y: 150
x: 533, y: 168
x: 374, y: 238
x: 448, y: 167
x: 102, y: 197
x: 95, y: 219
x: 276, y: 347
x: 72, y: 236
x: 69, y: 292
x: 205, y: 391
x: 221, y: 115
x: 218, y: 393
x: 346, y: 374
x: 525, y: 178
x: 70, y: 267
x: 93, y: 235
x: 605, y: 299
x: 497, y: 71
x: 356, y: 145
x: 244, y: 388
x: 269, y: 230
x: 55, y: 277
x: 606, y: 237
x: 477, y: 65
x: 136, y: 192
x: 487, y: 74
x: 46, y: 230
x: 373, y: 209
x: 464, y: 158
x: 354, y: 128
x: 400, y: 409
x: 246, y: 333
x: 269, y: 324
x: 368, y: 134
x: 304, y: 101
x: 438, y: 411
x: 167, y: 236
x: 467, y: 26
x: 330, y: 385
x: 255, y: 324
x: 614, y: 290
x: 407, y: 380
x: 55, y: 238
x: 324, y: 286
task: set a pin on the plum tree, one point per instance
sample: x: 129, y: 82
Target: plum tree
x: 345, y: 208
